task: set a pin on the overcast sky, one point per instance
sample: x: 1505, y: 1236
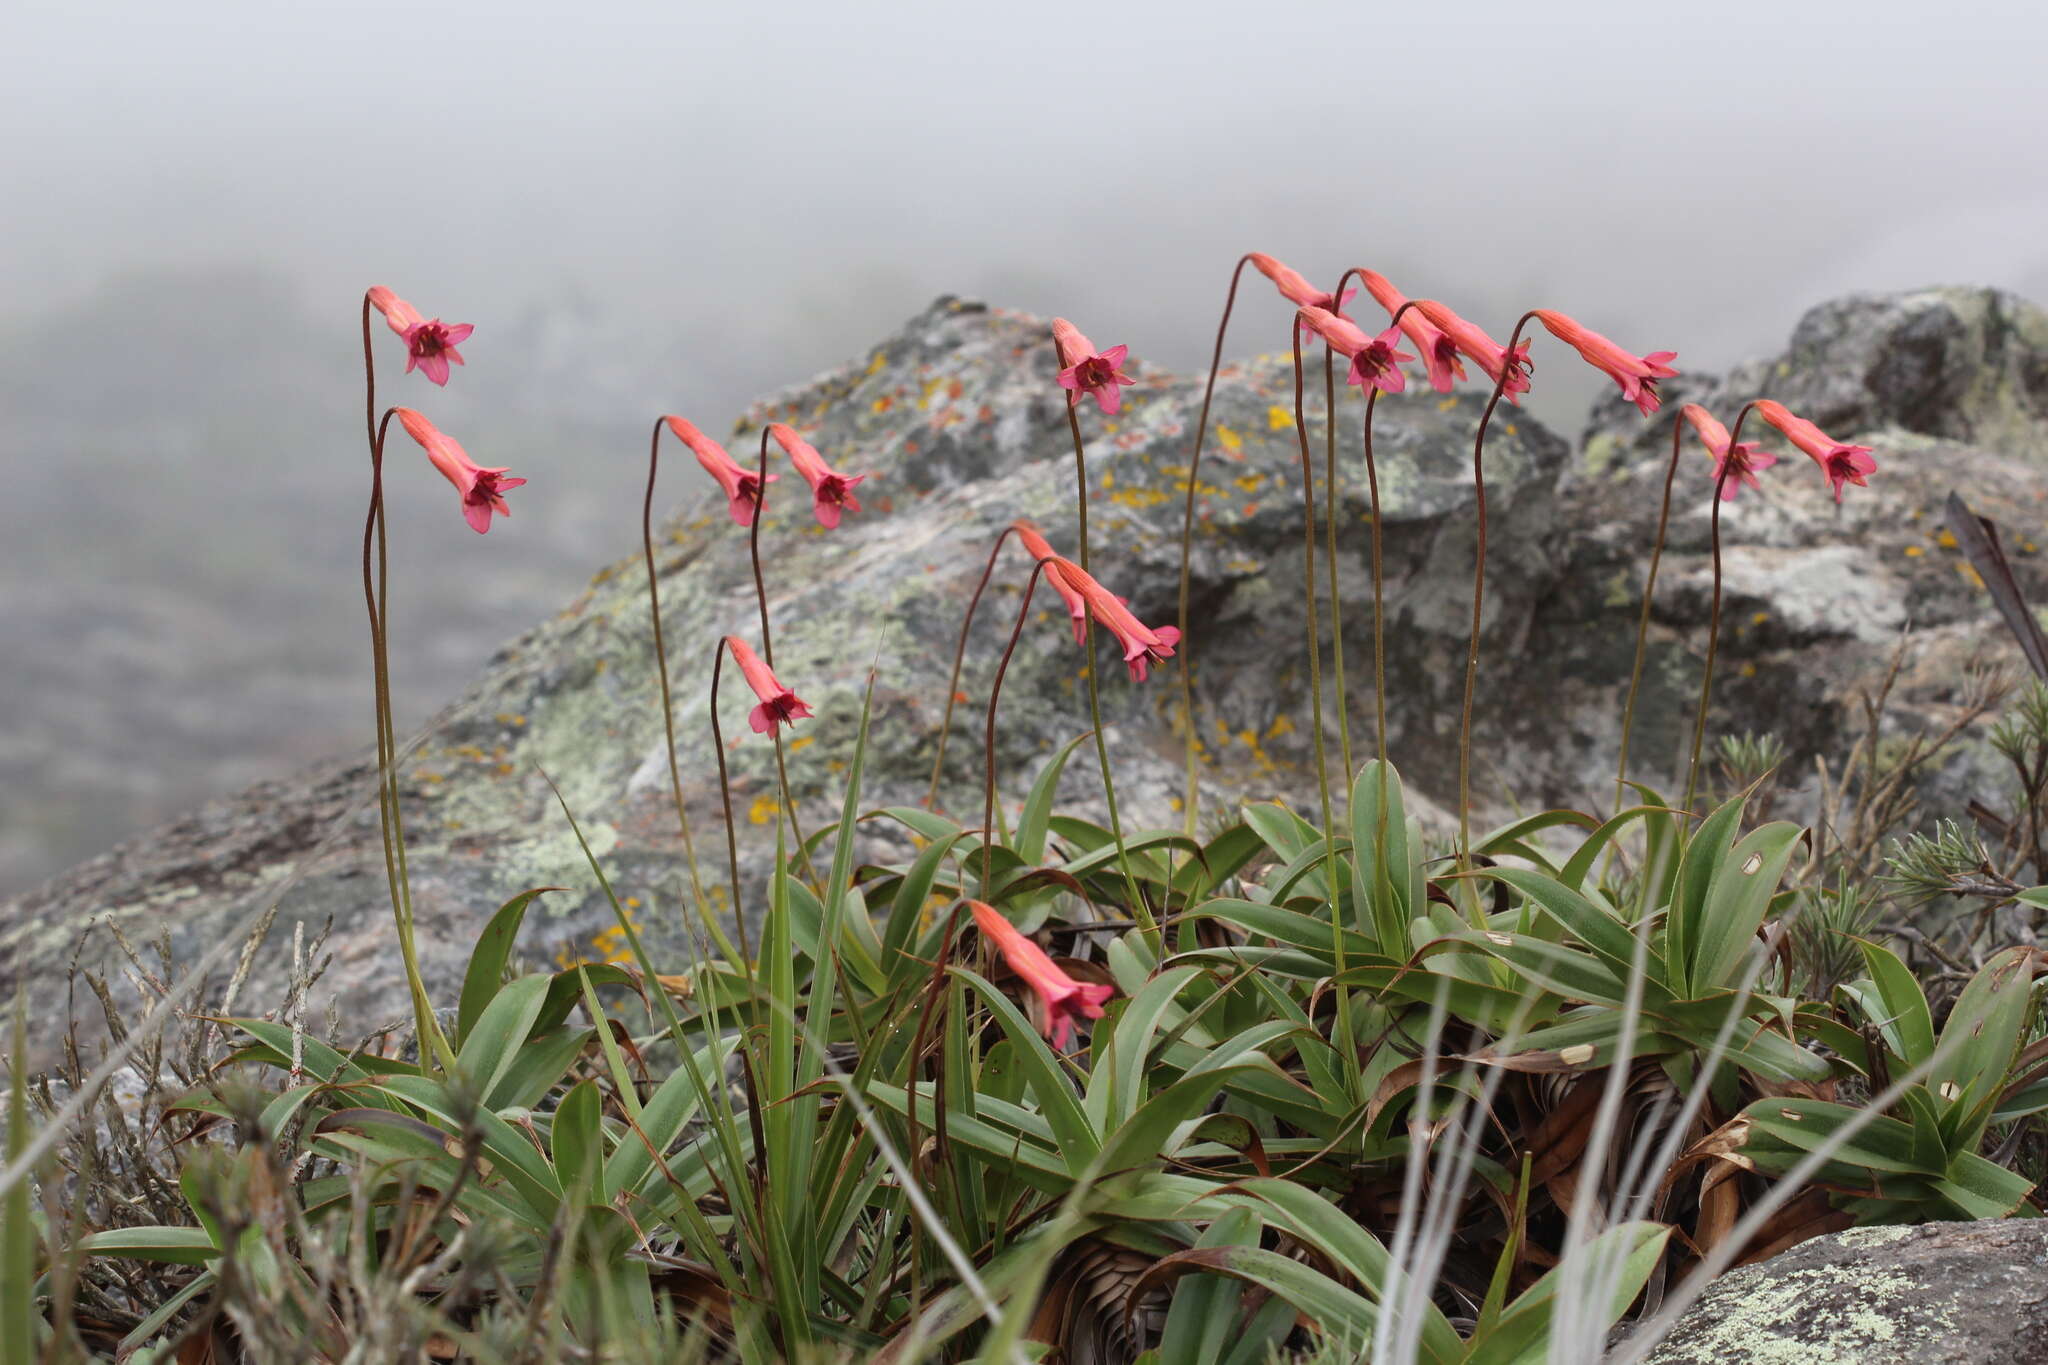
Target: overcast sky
x: 731, y: 194
x: 674, y: 206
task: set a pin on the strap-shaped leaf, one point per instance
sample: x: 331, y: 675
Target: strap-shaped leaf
x: 480, y: 983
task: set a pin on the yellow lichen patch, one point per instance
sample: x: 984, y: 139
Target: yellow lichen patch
x: 1278, y: 418
x: 881, y: 405
x: 1970, y: 573
x: 1281, y: 726
x: 1446, y: 404
x: 1509, y: 428
x: 763, y: 809
x: 1249, y: 483
x: 1749, y: 670
x: 512, y: 719
x: 875, y: 365
x: 1229, y: 439
x: 1108, y: 479
x: 1914, y: 552
x: 1945, y: 538
x: 801, y: 742
x: 1138, y: 497
x: 1759, y: 618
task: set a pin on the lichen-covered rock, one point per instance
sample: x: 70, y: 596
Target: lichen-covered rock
x: 1940, y: 1294
x: 958, y: 421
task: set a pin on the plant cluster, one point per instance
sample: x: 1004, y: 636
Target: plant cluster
x: 1297, y: 1090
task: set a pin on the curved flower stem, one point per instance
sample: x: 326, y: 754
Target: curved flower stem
x: 1508, y: 366
x: 1140, y: 911
x: 995, y: 692
x: 668, y: 708
x: 931, y: 795
x: 1315, y: 675
x: 433, y: 1047
x: 1372, y: 485
x: 1699, y: 727
x: 803, y: 851
x: 1192, y: 800
x: 1635, y: 677
x: 732, y: 848
x: 1331, y: 502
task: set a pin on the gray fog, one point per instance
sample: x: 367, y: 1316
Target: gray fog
x: 647, y: 208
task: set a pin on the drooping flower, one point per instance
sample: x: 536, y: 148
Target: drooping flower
x: 429, y: 342
x: 1471, y: 339
x: 1842, y: 464
x: 1294, y: 286
x: 1439, y: 352
x: 831, y: 491
x: 1083, y: 370
x: 1375, y: 363
x: 1637, y: 375
x: 1062, y: 1000
x: 742, y: 486
x: 1143, y: 645
x: 482, y: 489
x: 779, y: 705
x: 1035, y: 545
x: 1731, y: 471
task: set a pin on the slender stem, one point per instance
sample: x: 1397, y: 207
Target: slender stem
x: 1192, y: 799
x: 768, y: 652
x: 1635, y: 677
x: 433, y: 1048
x: 668, y: 708
x: 732, y: 848
x: 1372, y: 484
x: 1699, y: 727
x: 931, y: 795
x: 1308, y: 561
x: 1140, y: 911
x: 1331, y: 502
x: 995, y: 692
x: 1508, y: 366
x: 1315, y: 675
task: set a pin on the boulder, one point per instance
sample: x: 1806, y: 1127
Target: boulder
x: 1938, y: 1294
x: 958, y: 422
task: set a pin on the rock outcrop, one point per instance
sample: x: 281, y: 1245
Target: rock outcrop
x: 958, y: 421
x: 1938, y: 1294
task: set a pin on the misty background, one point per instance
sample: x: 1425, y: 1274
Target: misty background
x: 652, y: 207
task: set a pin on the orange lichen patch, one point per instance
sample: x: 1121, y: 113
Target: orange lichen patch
x: 802, y: 742
x: 1914, y: 552
x: 882, y: 404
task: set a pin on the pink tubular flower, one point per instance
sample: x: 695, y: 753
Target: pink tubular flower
x: 831, y: 491
x: 1084, y: 371
x: 1637, y: 375
x: 1840, y: 463
x: 1061, y: 998
x: 429, y: 342
x: 742, y: 486
x: 1143, y: 644
x: 1375, y: 364
x: 779, y: 705
x: 482, y: 489
x: 1293, y: 286
x: 1472, y: 340
x: 1730, y: 473
x: 1439, y: 352
x: 1035, y: 546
